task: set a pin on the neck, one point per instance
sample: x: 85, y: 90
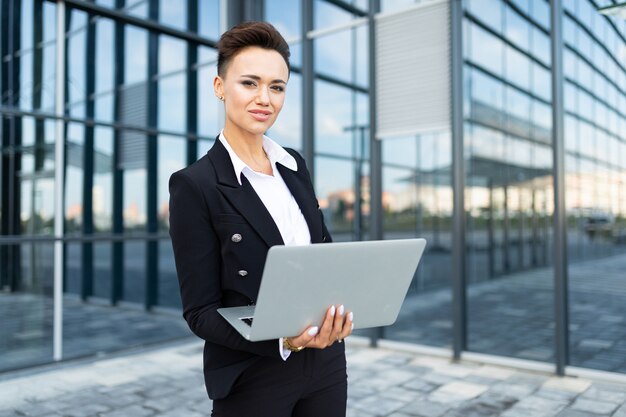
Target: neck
x: 249, y: 148
x: 244, y: 144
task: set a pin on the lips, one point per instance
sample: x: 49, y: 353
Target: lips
x: 261, y: 115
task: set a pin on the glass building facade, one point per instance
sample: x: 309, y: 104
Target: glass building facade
x: 139, y: 105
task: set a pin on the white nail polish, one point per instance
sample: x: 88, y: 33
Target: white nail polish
x: 351, y: 316
x: 332, y: 311
x: 313, y: 331
x: 352, y: 326
x: 341, y: 310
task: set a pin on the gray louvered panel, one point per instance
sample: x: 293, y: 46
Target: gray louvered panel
x: 133, y: 112
x: 413, y: 70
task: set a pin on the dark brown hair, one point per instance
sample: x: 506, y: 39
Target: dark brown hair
x: 247, y: 34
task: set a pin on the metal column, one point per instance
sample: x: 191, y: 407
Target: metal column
x: 59, y: 180
x: 459, y: 315
x: 376, y: 169
x: 152, y: 173
x: 560, y: 222
x: 308, y: 89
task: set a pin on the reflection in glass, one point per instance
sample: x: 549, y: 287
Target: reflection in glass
x: 209, y: 18
x: 417, y: 202
x: 508, y: 235
x: 172, y: 54
x: 169, y: 293
x: 135, y: 200
x: 134, y: 271
x: 334, y: 187
x: 172, y: 103
x: 105, y: 52
x: 103, y: 179
x: 285, y: 15
x: 333, y: 114
x: 172, y: 157
x: 27, y: 307
x: 135, y: 55
x: 74, y: 178
x: 173, y: 13
x: 208, y: 105
x: 76, y: 74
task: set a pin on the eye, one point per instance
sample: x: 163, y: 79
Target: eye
x: 248, y: 83
x: 278, y: 88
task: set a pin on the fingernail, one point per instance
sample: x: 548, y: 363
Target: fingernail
x: 313, y: 331
x: 341, y: 310
x: 332, y: 311
x: 350, y: 316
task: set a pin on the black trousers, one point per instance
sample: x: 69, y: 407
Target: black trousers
x: 311, y: 383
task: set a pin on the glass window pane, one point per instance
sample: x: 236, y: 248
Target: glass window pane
x: 173, y: 13
x: 172, y: 103
x: 136, y: 55
x: 417, y: 202
x: 333, y: 116
x: 486, y: 50
x: 172, y: 54
x: 209, y: 18
x: 26, y: 331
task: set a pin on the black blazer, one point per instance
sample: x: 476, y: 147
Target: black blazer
x: 208, y: 207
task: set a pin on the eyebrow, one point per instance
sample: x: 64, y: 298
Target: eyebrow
x: 257, y: 78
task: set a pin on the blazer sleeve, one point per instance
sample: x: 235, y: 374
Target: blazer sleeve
x: 198, y: 265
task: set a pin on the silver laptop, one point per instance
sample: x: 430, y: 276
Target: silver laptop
x: 300, y: 282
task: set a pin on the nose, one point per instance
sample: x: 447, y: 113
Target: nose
x: 263, y: 96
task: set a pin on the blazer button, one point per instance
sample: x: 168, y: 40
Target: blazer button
x: 242, y: 272
x: 236, y: 238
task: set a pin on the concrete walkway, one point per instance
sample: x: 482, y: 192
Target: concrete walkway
x: 167, y: 382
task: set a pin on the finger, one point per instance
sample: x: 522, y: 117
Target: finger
x: 338, y: 322
x: 305, y: 338
x: 348, y: 325
x: 325, y: 330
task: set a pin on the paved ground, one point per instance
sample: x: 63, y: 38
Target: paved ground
x: 167, y: 382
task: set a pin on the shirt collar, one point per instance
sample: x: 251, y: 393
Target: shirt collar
x: 275, y: 153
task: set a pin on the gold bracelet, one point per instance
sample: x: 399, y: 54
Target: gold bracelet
x: 291, y: 347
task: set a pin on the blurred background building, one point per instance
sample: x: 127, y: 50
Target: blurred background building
x: 139, y: 104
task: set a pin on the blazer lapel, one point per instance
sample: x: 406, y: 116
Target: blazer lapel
x: 300, y: 189
x: 243, y: 197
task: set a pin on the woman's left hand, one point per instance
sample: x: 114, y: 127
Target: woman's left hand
x: 337, y: 325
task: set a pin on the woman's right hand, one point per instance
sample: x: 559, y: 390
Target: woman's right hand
x: 337, y: 325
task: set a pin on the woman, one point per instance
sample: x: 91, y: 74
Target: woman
x: 226, y: 210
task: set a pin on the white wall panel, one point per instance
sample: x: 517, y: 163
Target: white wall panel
x: 413, y: 70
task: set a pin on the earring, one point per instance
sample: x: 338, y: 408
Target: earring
x: 221, y: 98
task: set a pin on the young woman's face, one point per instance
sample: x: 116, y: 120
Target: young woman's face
x: 253, y: 88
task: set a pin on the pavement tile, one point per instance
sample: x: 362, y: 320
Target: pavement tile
x: 424, y: 408
x: 568, y: 384
x: 621, y: 412
x: 542, y: 404
x: 515, y: 390
x: 379, y: 406
x: 493, y: 372
x: 86, y: 410
x: 595, y: 393
x: 381, y: 383
x: 568, y: 412
x: 592, y: 406
x: 419, y: 384
x: 133, y: 410
x: 400, y: 394
x: 457, y: 391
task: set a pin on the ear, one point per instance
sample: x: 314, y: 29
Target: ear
x: 218, y: 86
